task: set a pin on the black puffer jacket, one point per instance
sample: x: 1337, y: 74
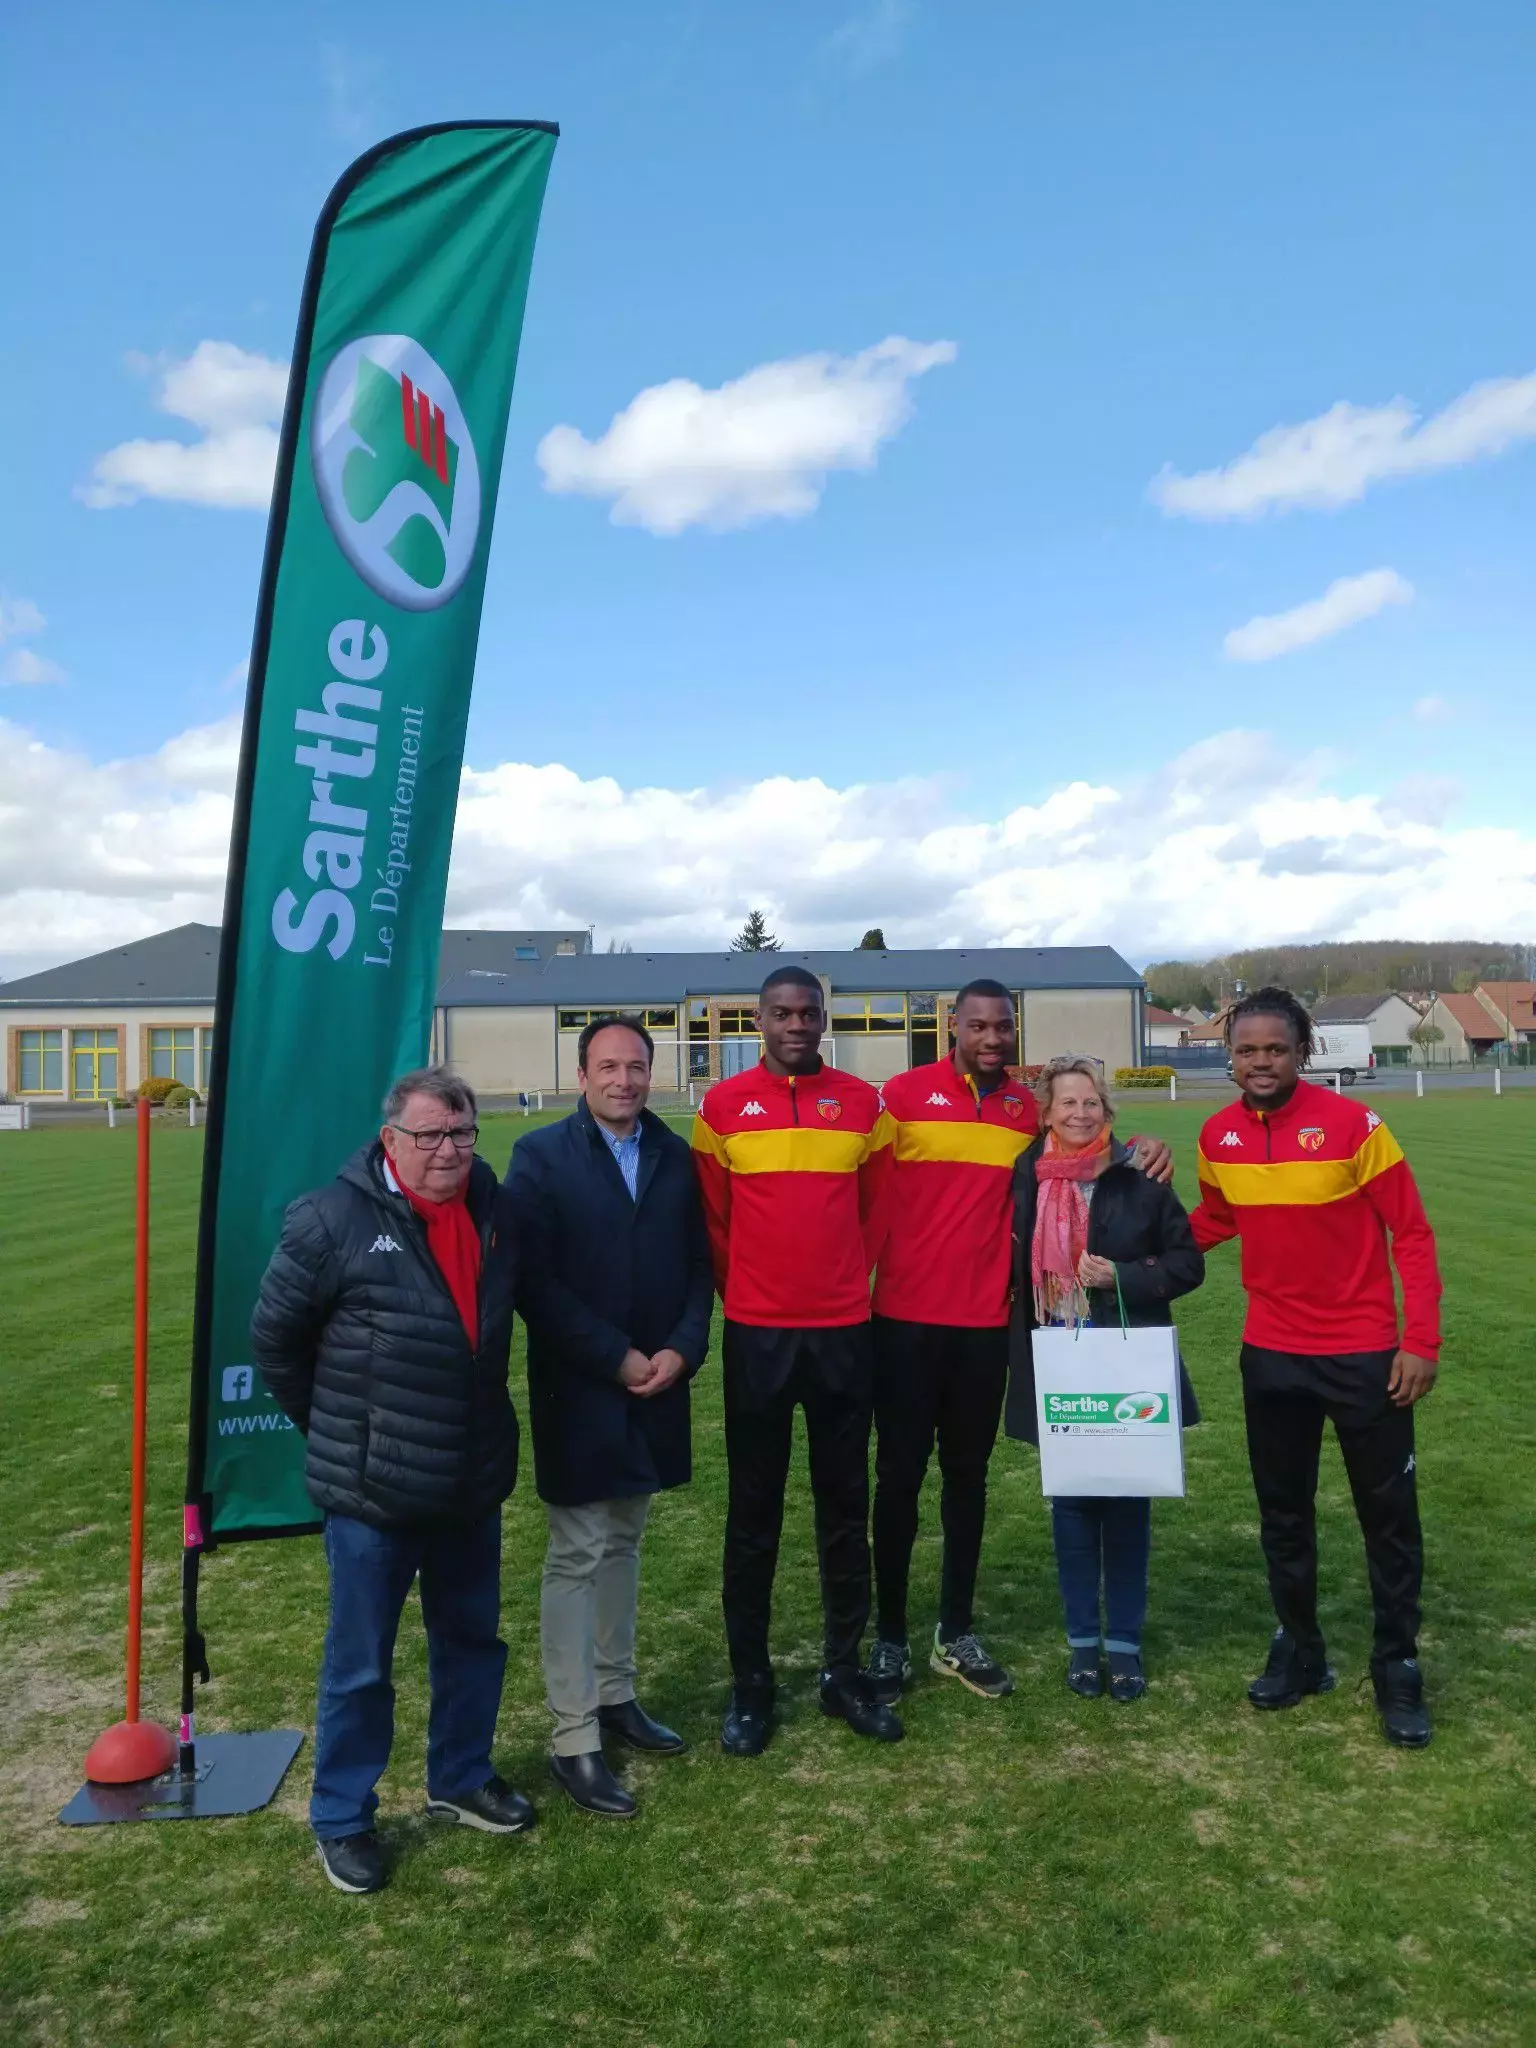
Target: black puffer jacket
x: 358, y: 1338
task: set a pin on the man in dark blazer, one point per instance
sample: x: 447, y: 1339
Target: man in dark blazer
x: 616, y: 1287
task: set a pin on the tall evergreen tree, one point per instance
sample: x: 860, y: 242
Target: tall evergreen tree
x: 754, y: 936
x: 873, y: 941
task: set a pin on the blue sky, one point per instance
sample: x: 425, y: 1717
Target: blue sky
x: 1152, y: 236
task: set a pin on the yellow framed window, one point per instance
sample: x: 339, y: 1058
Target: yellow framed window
x: 40, y: 1062
x: 868, y: 1013
x: 173, y: 1055
x: 205, y: 1054
x: 92, y: 1064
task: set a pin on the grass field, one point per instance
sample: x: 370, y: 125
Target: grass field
x: 1044, y: 1870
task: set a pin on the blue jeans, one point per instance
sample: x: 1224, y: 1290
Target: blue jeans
x: 1109, y: 1540
x: 371, y: 1573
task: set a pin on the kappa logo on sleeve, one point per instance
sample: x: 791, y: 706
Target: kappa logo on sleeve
x: 936, y: 1100
x: 1232, y: 1141
x: 395, y: 470
x: 752, y: 1109
x: 1372, y: 1120
x: 385, y: 1243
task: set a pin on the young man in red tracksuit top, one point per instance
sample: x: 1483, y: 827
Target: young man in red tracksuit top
x: 957, y: 1129
x: 789, y: 1159
x: 1312, y: 1183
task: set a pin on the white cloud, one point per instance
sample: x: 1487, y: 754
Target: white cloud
x: 1233, y: 842
x: 871, y: 36
x: 1431, y: 710
x: 1344, y: 603
x: 22, y: 668
x: 236, y: 398
x: 18, y: 617
x: 351, y: 91
x: 760, y: 447
x: 1334, y: 459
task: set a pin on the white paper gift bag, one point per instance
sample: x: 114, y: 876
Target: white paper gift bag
x: 1107, y: 1404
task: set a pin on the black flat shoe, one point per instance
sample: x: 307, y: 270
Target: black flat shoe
x: 592, y: 1785
x: 748, y: 1724
x: 629, y: 1722
x: 1127, y: 1680
x: 843, y: 1700
x: 1290, y: 1675
x: 354, y: 1863
x: 1084, y: 1677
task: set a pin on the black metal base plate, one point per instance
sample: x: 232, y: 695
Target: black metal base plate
x: 233, y: 1774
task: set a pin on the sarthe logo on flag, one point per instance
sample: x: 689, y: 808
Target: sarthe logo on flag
x: 396, y: 472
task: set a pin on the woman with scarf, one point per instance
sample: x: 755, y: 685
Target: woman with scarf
x: 1091, y: 1233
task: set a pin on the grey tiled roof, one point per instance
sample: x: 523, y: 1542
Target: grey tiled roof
x: 638, y: 980
x: 182, y: 966
x: 1350, y: 1009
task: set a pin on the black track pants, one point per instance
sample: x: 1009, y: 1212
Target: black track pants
x: 1287, y: 1398
x: 766, y: 1373
x: 934, y: 1383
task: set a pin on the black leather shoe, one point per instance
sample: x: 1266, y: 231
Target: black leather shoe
x: 495, y: 1809
x: 748, y: 1722
x: 630, y: 1723
x: 354, y: 1863
x: 1399, y: 1687
x: 844, y: 1700
x: 1290, y: 1675
x: 592, y: 1785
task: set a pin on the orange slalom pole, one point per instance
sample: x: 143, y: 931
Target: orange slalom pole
x: 135, y: 1749
x: 140, y: 1409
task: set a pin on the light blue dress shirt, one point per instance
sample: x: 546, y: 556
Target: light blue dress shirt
x: 627, y: 1153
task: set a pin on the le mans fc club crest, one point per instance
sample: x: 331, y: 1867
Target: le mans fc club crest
x: 1310, y: 1139
x: 829, y: 1107
x: 1013, y: 1107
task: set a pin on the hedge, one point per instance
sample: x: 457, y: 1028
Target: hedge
x: 157, y: 1089
x: 1143, y: 1077
x: 179, y: 1096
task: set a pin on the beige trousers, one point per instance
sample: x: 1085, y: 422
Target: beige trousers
x: 587, y: 1614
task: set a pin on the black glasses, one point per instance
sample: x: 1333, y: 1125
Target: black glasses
x: 462, y: 1137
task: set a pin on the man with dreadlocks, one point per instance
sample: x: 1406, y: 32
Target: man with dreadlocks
x: 1313, y: 1182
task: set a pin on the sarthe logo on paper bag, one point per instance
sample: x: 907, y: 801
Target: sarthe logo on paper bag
x: 1106, y: 1411
x: 396, y: 471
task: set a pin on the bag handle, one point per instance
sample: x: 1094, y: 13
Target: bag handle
x: 1125, y: 1325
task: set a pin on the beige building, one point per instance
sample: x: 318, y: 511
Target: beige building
x: 511, y: 1007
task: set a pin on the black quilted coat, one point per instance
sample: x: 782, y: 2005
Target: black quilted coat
x: 358, y: 1338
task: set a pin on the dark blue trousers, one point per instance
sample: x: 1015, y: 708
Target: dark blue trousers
x: 1109, y: 1542
x: 371, y: 1572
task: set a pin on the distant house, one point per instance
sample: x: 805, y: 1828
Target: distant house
x: 1512, y: 1005
x: 1390, y: 1017
x: 1468, y: 1031
x: 1164, y: 1027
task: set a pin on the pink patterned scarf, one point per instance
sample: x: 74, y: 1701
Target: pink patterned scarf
x: 1061, y: 1228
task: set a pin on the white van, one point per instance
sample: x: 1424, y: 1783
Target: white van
x: 1342, y: 1049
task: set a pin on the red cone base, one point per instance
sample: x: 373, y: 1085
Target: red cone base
x: 128, y: 1752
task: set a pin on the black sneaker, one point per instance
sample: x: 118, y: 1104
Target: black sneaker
x: 1290, y: 1674
x: 495, y: 1809
x: 888, y: 1669
x: 1085, y: 1676
x: 1399, y: 1687
x: 965, y: 1659
x: 354, y: 1863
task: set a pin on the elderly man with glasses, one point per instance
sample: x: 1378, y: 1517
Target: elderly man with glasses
x: 383, y: 1329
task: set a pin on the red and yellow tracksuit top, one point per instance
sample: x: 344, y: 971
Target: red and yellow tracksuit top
x: 1312, y: 1190
x: 790, y: 1170
x: 946, y: 1250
